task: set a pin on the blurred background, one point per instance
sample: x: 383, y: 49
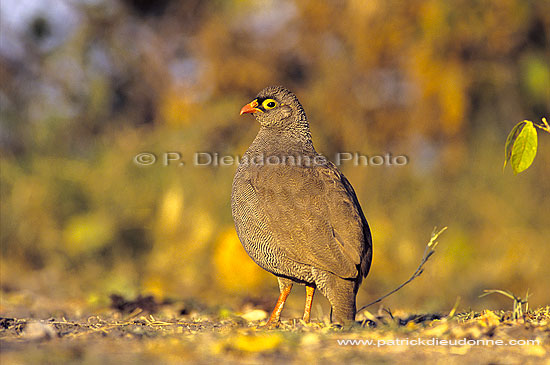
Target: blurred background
x: 87, y: 85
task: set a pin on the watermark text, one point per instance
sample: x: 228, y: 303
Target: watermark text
x: 216, y: 159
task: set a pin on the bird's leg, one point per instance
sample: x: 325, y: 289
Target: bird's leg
x: 275, y: 317
x: 310, y: 291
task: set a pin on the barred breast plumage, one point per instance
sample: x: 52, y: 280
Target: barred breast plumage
x: 295, y: 213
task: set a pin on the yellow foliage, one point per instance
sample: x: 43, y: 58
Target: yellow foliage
x: 155, y: 285
x: 257, y: 343
x: 489, y: 319
x: 452, y: 98
x: 443, y: 88
x: 535, y: 350
x: 171, y: 210
x: 175, y: 110
x: 235, y: 270
x: 84, y: 233
x: 173, y: 265
x: 202, y: 227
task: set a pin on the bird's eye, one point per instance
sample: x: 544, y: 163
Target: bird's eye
x: 269, y: 104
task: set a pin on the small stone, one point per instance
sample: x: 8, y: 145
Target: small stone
x: 38, y: 331
x: 255, y: 315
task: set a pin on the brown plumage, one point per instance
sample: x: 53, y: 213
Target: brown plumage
x: 295, y: 213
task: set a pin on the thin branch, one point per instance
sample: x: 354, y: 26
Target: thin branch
x: 428, y: 252
x: 545, y: 127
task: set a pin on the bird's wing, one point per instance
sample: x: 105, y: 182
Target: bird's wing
x: 350, y: 225
x: 315, y: 218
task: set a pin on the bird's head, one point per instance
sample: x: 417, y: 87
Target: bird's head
x: 275, y: 106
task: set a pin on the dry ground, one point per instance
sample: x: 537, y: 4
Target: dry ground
x: 128, y: 334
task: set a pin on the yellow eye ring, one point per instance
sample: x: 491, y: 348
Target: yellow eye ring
x: 269, y: 104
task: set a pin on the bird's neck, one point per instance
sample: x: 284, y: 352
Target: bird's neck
x: 283, y: 141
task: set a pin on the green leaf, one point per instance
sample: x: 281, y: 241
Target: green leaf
x: 524, y: 148
x: 510, y: 141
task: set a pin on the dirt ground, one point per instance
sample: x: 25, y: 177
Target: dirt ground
x: 128, y: 333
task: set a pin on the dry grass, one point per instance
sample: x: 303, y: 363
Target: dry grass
x: 232, y: 337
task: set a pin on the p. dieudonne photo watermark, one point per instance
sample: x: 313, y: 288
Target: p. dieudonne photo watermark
x: 217, y: 159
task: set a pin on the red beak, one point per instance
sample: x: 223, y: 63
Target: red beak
x: 250, y: 107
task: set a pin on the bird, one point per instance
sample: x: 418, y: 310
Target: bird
x: 295, y: 213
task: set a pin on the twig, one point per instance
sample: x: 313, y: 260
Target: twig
x: 428, y: 252
x: 544, y: 126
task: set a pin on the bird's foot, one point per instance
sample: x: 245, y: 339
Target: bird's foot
x: 272, y: 323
